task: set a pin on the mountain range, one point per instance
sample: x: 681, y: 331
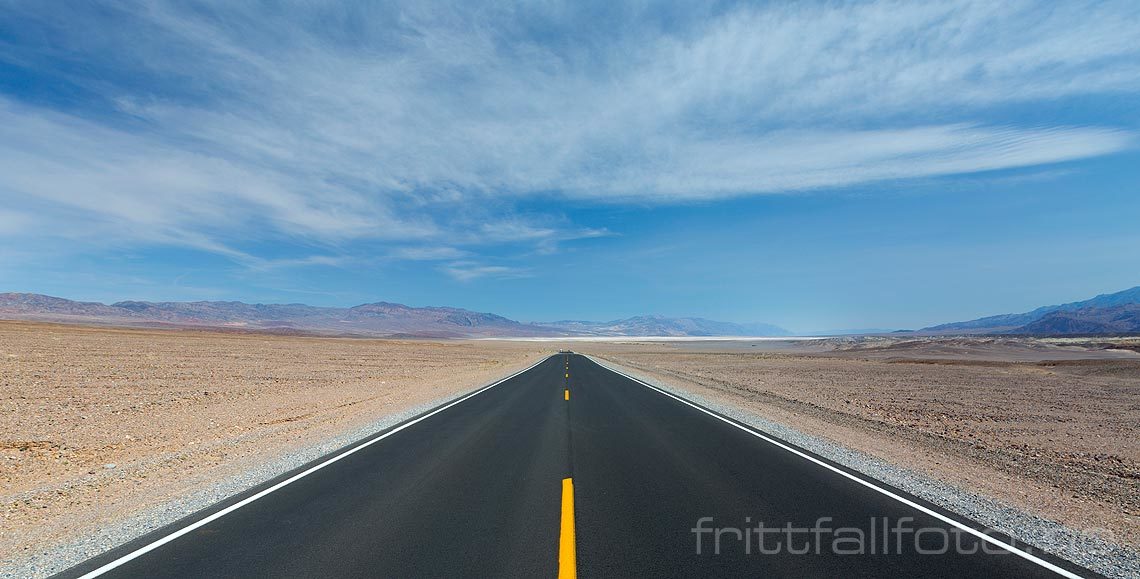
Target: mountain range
x: 375, y: 319
x: 1116, y: 313
x: 663, y: 326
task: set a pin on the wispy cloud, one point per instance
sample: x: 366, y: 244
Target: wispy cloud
x: 12, y: 223
x: 429, y: 253
x: 93, y: 184
x: 299, y: 262
x: 224, y: 123
x: 467, y: 271
x: 544, y: 235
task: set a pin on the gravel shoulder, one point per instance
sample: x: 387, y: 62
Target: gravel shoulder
x: 1048, y: 456
x: 107, y: 434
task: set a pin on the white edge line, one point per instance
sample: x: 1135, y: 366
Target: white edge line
x: 1029, y: 556
x: 202, y: 522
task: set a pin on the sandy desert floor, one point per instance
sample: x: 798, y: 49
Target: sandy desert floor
x: 1052, y: 428
x: 98, y: 424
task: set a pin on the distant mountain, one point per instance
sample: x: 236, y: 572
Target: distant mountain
x: 1123, y: 319
x: 368, y: 319
x: 376, y: 319
x: 663, y: 326
x: 1106, y: 313
x: 849, y: 332
x: 36, y: 304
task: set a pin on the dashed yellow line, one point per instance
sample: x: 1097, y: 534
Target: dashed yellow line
x: 567, y: 394
x: 567, y: 550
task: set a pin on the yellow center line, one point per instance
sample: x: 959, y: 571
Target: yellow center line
x: 567, y: 551
x: 567, y: 394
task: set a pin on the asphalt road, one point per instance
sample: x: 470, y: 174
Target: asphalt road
x: 569, y: 468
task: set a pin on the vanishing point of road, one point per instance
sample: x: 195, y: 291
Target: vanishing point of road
x: 570, y: 469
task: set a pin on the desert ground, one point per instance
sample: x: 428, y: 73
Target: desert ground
x: 100, y: 424
x: 1051, y: 427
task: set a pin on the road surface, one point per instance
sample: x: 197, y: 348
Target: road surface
x: 570, y: 469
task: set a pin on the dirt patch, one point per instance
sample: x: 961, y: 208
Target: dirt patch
x: 98, y: 424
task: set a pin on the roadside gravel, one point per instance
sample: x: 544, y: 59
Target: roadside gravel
x: 64, y: 556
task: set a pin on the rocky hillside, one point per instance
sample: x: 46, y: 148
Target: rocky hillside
x: 1105, y: 314
x: 1123, y: 319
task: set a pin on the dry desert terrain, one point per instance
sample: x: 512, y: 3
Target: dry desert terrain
x: 99, y: 424
x: 1052, y: 428
x: 102, y: 424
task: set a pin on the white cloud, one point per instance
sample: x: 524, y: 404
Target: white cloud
x: 143, y: 188
x: 465, y: 271
x: 13, y: 223
x: 307, y: 261
x: 429, y: 253
x: 517, y: 228
x: 801, y: 160
x: 334, y: 123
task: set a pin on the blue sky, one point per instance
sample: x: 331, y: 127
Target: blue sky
x: 817, y: 166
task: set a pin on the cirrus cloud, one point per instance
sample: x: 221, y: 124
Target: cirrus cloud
x: 216, y: 124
